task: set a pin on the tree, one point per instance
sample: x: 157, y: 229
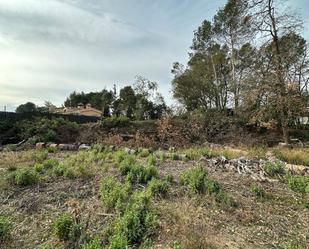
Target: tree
x: 128, y: 100
x: 27, y: 107
x: 276, y: 26
x: 232, y: 26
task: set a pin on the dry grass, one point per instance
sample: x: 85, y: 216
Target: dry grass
x: 293, y: 156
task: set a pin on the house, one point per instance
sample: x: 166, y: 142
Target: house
x: 81, y: 109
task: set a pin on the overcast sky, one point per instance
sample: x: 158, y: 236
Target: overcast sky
x: 49, y: 48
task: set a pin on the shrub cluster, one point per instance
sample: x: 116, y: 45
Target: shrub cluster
x: 136, y: 223
x: 158, y: 188
x: 298, y: 184
x: 273, y: 169
x: 258, y: 191
x: 23, y: 177
x: 198, y: 182
x: 136, y: 173
x: 66, y: 228
x: 113, y: 193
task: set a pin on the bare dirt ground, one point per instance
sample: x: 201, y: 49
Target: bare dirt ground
x: 196, y: 222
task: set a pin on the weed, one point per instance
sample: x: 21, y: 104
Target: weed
x: 138, y: 219
x: 225, y: 199
x: 59, y: 170
x: 113, y: 193
x: 195, y: 180
x: 5, y: 228
x: 63, y: 227
x: 144, y: 153
x: 298, y: 184
x: 39, y: 156
x: 152, y: 160
x: 52, y: 150
x: 118, y: 241
x: 258, y: 191
x: 23, y: 177
x: 158, y: 188
x: 136, y: 173
x: 50, y: 163
x: 273, y: 169
x: 93, y: 244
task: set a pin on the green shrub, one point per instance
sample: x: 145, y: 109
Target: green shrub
x: 141, y: 174
x: 5, y: 228
x: 59, y: 170
x: 298, y: 184
x: 259, y: 192
x: 152, y: 160
x: 114, y: 121
x: 225, y: 199
x: 39, y: 156
x: 93, y: 244
x: 52, y: 149
x: 113, y: 194
x: 50, y: 163
x: 144, y: 153
x: 23, y: 177
x: 158, y: 188
x: 118, y: 241
x: 38, y: 167
x: 49, y: 136
x: 138, y: 220
x: 195, y: 180
x: 126, y: 163
x: 274, y: 169
x: 64, y: 226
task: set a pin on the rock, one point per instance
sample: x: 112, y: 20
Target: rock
x: 67, y: 147
x: 112, y: 148
x: 53, y: 146
x: 130, y: 151
x: 84, y: 147
x: 285, y: 145
x: 40, y: 146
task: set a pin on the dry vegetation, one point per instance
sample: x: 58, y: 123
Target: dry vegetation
x: 111, y: 199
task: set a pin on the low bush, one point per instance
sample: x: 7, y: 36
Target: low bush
x: 141, y: 174
x: 196, y: 180
x: 225, y: 199
x: 298, y: 184
x: 152, y: 160
x: 23, y: 177
x: 144, y: 153
x: 273, y: 169
x: 39, y: 156
x: 138, y: 221
x: 52, y: 149
x: 158, y: 188
x: 113, y: 194
x: 258, y: 191
x: 5, y: 228
x: 114, y: 121
x: 118, y: 241
x: 50, y: 163
x: 64, y: 226
x: 93, y: 244
x: 59, y: 170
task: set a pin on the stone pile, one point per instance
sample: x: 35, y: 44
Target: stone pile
x: 65, y: 147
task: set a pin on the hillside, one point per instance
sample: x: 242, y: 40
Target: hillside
x: 207, y: 197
